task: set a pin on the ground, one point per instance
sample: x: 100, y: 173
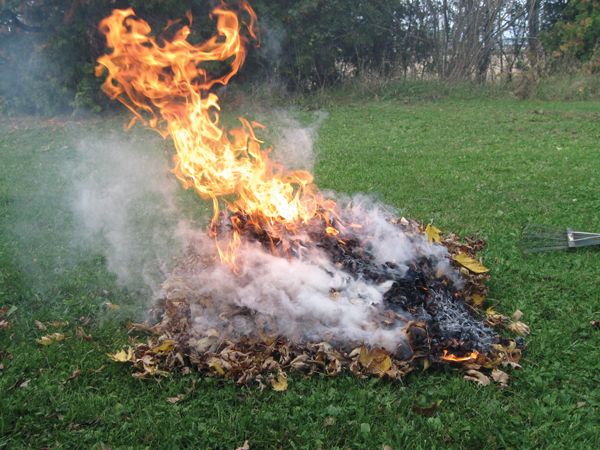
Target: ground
x: 477, y: 166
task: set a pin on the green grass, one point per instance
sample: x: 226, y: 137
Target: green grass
x: 485, y: 166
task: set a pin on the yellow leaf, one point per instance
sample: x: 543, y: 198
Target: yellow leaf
x: 472, y: 264
x: 477, y: 300
x: 122, y: 355
x: 50, y: 338
x: 166, y: 346
x: 58, y: 323
x: 280, y: 383
x: 376, y: 361
x: 433, y: 234
x: 215, y: 364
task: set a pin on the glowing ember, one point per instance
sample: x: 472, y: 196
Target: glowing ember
x: 163, y: 82
x: 468, y: 358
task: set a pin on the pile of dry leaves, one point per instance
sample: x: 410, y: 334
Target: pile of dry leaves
x: 172, y: 344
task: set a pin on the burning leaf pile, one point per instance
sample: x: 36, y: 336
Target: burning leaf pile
x: 287, y: 279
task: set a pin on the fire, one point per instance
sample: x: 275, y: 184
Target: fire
x: 453, y: 358
x: 166, y: 85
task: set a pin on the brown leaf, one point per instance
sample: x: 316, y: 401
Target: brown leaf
x: 377, y: 361
x: 595, y: 323
x: 477, y: 377
x: 81, y: 334
x: 73, y: 375
x: 4, y: 324
x: 175, y: 399
x: 427, y: 411
x: 500, y: 377
x: 469, y: 263
x: 39, y: 325
x: 98, y: 370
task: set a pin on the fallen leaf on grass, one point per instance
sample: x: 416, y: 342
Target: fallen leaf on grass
x: 469, y: 263
x: 50, y: 338
x: 98, y: 370
x: 23, y: 384
x: 175, y: 399
x: 427, y: 411
x: 280, y: 383
x: 4, y: 324
x: 519, y: 328
x: 73, y: 375
x: 517, y: 315
x: 111, y: 306
x: 39, y: 325
x: 245, y: 446
x: 58, y: 323
x: 595, y: 324
x: 122, y: 355
x: 433, y: 234
x: 81, y: 334
x: 477, y: 377
x: 500, y: 377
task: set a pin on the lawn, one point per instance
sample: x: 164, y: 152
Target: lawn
x: 477, y: 166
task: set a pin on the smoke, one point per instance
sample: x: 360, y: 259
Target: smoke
x: 127, y: 205
x: 306, y: 297
x: 124, y: 201
x: 292, y: 141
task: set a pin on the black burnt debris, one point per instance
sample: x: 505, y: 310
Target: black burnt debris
x: 445, y: 324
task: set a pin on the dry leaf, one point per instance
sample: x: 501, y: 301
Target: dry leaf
x: 24, y: 384
x: 50, y: 338
x: 280, y: 383
x: 39, y: 325
x: 500, y: 377
x: 98, y: 370
x: 166, y: 346
x: 245, y: 446
x: 477, y: 377
x: 376, y: 361
x: 81, y: 334
x: 472, y: 264
x: 215, y: 364
x: 477, y: 300
x: 595, y: 323
x: 73, y: 375
x: 4, y: 324
x: 519, y: 328
x: 58, y: 323
x: 122, y: 355
x: 517, y: 315
x: 175, y: 399
x: 433, y: 234
x: 427, y: 411
x: 111, y: 306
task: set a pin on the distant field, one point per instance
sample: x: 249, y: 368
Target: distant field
x: 478, y: 166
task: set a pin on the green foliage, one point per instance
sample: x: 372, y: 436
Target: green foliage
x: 577, y: 33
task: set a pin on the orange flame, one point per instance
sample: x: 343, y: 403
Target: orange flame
x: 164, y: 84
x: 453, y: 358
